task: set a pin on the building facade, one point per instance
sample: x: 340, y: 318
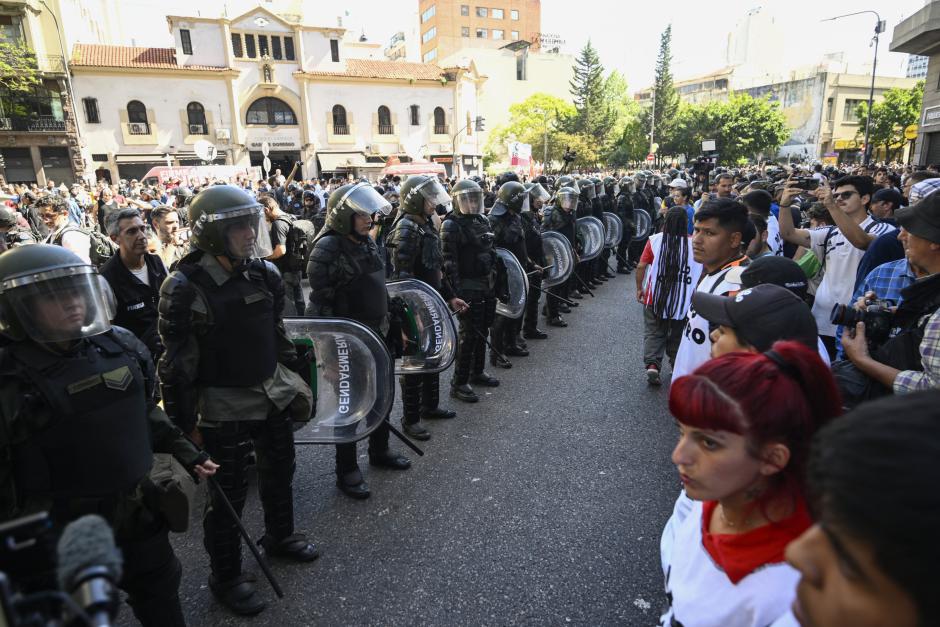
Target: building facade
x: 920, y: 34
x: 314, y: 96
x: 916, y: 66
x: 447, y: 26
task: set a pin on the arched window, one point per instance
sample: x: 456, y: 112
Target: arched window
x: 196, y: 115
x: 440, y: 122
x: 340, y: 127
x: 137, y: 116
x: 385, y: 121
x: 270, y: 111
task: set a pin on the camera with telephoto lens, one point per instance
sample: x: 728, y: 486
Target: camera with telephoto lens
x: 877, y: 316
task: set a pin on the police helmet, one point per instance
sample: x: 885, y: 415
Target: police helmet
x: 586, y: 187
x: 227, y: 220
x: 566, y: 198
x: 468, y: 197
x: 350, y: 199
x: 421, y: 189
x: 513, y: 195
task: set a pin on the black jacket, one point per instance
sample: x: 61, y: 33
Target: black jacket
x: 137, y: 302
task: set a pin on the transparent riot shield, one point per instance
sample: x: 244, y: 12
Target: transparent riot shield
x: 351, y: 378
x: 613, y: 228
x: 512, y: 285
x: 644, y: 224
x: 591, y: 234
x: 560, y: 258
x: 428, y: 331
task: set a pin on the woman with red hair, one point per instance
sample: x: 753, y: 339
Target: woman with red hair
x: 745, y: 423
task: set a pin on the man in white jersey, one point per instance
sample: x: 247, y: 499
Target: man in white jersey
x: 758, y: 202
x: 840, y: 248
x: 720, y: 226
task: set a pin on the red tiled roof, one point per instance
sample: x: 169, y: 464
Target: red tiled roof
x: 96, y: 55
x: 365, y: 68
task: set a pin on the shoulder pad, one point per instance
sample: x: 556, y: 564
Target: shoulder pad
x: 327, y: 248
x: 130, y: 342
x: 178, y: 293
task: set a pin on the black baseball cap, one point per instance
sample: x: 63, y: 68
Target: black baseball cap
x: 890, y: 194
x: 922, y: 219
x: 771, y: 269
x: 760, y: 315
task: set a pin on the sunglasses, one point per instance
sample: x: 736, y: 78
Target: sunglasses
x: 843, y: 195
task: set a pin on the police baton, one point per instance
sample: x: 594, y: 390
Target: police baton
x: 244, y: 533
x: 485, y: 339
x: 555, y: 296
x: 401, y: 436
x: 583, y: 284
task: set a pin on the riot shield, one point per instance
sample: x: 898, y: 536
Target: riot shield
x: 644, y: 224
x: 560, y: 258
x: 613, y: 228
x: 591, y: 234
x: 351, y: 378
x: 512, y: 285
x: 428, y: 330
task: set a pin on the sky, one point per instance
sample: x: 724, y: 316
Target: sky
x: 626, y: 33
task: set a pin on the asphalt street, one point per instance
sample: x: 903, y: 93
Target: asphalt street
x: 541, y: 505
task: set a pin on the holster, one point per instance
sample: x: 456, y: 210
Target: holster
x: 174, y: 491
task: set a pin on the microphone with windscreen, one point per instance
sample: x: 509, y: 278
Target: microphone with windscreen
x: 89, y: 567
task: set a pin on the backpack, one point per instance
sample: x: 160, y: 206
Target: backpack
x: 100, y: 247
x: 299, y: 244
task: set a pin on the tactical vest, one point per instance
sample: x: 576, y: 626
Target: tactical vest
x: 475, y: 256
x: 363, y: 297
x: 98, y: 441
x: 239, y: 345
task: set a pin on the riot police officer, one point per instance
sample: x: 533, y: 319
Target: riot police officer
x: 229, y: 362
x: 313, y: 210
x: 531, y: 224
x: 509, y: 233
x: 347, y: 280
x: 12, y: 235
x: 624, y: 210
x: 415, y: 249
x: 80, y: 421
x: 470, y: 267
x: 561, y: 218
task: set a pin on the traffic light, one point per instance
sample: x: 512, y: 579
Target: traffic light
x: 479, y: 126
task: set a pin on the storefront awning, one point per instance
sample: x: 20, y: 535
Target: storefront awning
x: 139, y: 159
x: 333, y: 161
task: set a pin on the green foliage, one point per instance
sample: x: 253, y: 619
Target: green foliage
x: 666, y: 97
x: 898, y: 109
x: 633, y: 144
x: 596, y: 116
x: 538, y: 118
x: 19, y: 71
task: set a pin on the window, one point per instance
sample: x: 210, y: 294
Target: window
x: 334, y: 50
x: 186, y: 41
x: 196, y: 116
x: 270, y: 111
x: 848, y: 115
x: 429, y: 35
x: 514, y: 35
x: 11, y: 29
x: 513, y: 14
x: 250, y: 51
x: 440, y: 122
x: 289, y: 48
x: 340, y: 127
x: 428, y: 14
x: 829, y: 110
x: 521, y: 68
x: 236, y: 44
x: 481, y: 11
x: 498, y: 33
x: 497, y: 14
x: 385, y: 121
x: 415, y: 115
x: 430, y: 55
x: 276, y: 48
x: 137, y: 117
x: 263, y: 49
x: 465, y: 10
x: 481, y: 33
x: 464, y: 31
x: 91, y: 110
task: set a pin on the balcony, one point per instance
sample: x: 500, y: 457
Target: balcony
x: 341, y: 129
x: 440, y: 129
x: 386, y: 129
x: 37, y: 124
x: 198, y: 129
x: 138, y: 128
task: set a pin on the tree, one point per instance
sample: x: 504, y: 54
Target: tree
x: 18, y: 68
x: 666, y: 97
x: 595, y: 116
x: 898, y: 109
x: 632, y: 145
x: 538, y: 121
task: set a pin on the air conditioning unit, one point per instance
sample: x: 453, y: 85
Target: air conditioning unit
x: 197, y: 129
x: 373, y: 149
x: 223, y: 134
x: 137, y: 128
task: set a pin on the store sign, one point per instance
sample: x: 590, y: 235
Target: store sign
x: 275, y: 142
x: 443, y: 159
x: 547, y: 40
x: 931, y: 116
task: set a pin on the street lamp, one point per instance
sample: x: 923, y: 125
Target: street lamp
x: 879, y: 28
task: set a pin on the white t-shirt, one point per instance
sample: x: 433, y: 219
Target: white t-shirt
x: 774, y: 241
x: 696, y: 347
x: 690, y: 268
x: 702, y: 595
x: 141, y: 273
x: 74, y: 240
x: 840, y: 260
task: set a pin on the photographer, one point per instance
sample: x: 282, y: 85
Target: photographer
x: 12, y: 233
x: 911, y: 360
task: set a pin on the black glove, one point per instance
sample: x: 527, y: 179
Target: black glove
x: 302, y: 360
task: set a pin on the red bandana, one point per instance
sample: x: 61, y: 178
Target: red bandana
x: 741, y: 554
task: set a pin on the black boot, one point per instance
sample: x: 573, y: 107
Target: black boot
x: 484, y: 379
x: 389, y: 459
x: 239, y: 594
x: 294, y: 548
x: 353, y: 485
x: 431, y: 398
x: 499, y: 361
x: 411, y: 407
x: 557, y: 321
x: 416, y: 431
x: 535, y: 334
x: 515, y: 351
x: 464, y: 393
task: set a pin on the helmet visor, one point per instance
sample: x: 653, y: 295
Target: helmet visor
x: 363, y: 199
x: 567, y: 200
x: 538, y: 193
x: 599, y: 190
x: 470, y: 202
x: 588, y: 192
x: 60, y: 305
x: 245, y: 233
x: 434, y: 192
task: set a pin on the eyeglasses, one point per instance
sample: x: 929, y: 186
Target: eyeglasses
x: 842, y: 195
